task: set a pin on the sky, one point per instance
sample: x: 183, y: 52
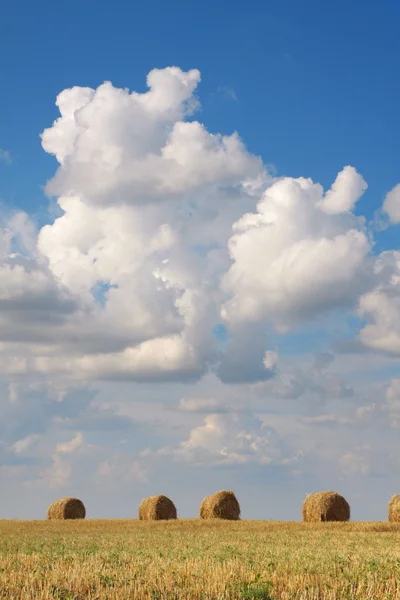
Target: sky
x: 199, y: 254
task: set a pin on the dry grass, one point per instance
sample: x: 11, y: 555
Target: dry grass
x: 221, y: 505
x: 325, y: 506
x: 157, y: 508
x: 66, y: 508
x: 198, y: 560
x: 394, y: 509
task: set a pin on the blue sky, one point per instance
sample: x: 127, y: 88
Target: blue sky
x: 315, y: 82
x: 108, y: 315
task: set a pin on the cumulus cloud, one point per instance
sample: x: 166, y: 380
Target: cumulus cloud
x: 114, y: 146
x: 299, y: 255
x: 161, y: 358
x: 348, y: 187
x: 251, y: 435
x: 381, y: 307
x: 230, y: 439
x: 168, y: 232
x: 146, y: 274
x: 245, y: 359
x: 315, y: 382
x: 391, y: 204
x: 383, y: 331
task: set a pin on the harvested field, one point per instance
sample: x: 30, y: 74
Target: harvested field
x: 199, y: 560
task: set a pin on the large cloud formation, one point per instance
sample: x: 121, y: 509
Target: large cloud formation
x: 114, y: 146
x: 301, y: 252
x: 170, y: 235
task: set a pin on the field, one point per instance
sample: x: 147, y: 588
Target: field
x: 190, y: 559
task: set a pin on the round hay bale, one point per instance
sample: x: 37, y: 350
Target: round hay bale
x: 221, y: 505
x: 66, y: 508
x: 394, y: 508
x: 157, y: 508
x: 325, y: 506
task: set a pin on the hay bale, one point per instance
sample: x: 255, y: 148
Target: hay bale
x: 66, y: 508
x: 394, y: 509
x: 221, y: 505
x: 157, y: 508
x: 325, y: 506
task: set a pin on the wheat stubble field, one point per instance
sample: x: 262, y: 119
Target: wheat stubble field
x: 192, y: 559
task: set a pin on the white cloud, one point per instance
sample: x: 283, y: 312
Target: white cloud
x: 348, y: 187
x: 137, y: 472
x: 301, y: 254
x: 21, y: 446
x: 133, y: 284
x: 70, y: 446
x: 115, y: 146
x: 58, y: 475
x: 199, y: 404
x: 161, y: 358
x: 118, y: 154
x: 313, y: 381
x: 256, y: 438
x: 227, y: 92
x: 105, y: 468
x: 13, y: 392
x: 231, y: 439
x: 270, y: 359
x: 381, y: 307
x: 392, y: 404
x: 243, y: 359
x: 355, y: 463
x: 5, y: 157
x: 391, y: 204
x: 64, y: 462
x: 120, y: 468
x: 164, y: 227
x: 384, y: 331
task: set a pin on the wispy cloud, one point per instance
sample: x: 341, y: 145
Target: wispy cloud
x: 70, y: 446
x: 5, y: 157
x: 227, y: 92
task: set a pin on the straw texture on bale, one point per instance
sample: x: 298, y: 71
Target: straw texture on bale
x: 67, y: 508
x: 221, y: 505
x: 157, y: 508
x: 325, y: 506
x: 394, y: 508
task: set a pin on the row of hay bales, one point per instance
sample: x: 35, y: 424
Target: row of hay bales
x: 321, y: 506
x: 221, y: 505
